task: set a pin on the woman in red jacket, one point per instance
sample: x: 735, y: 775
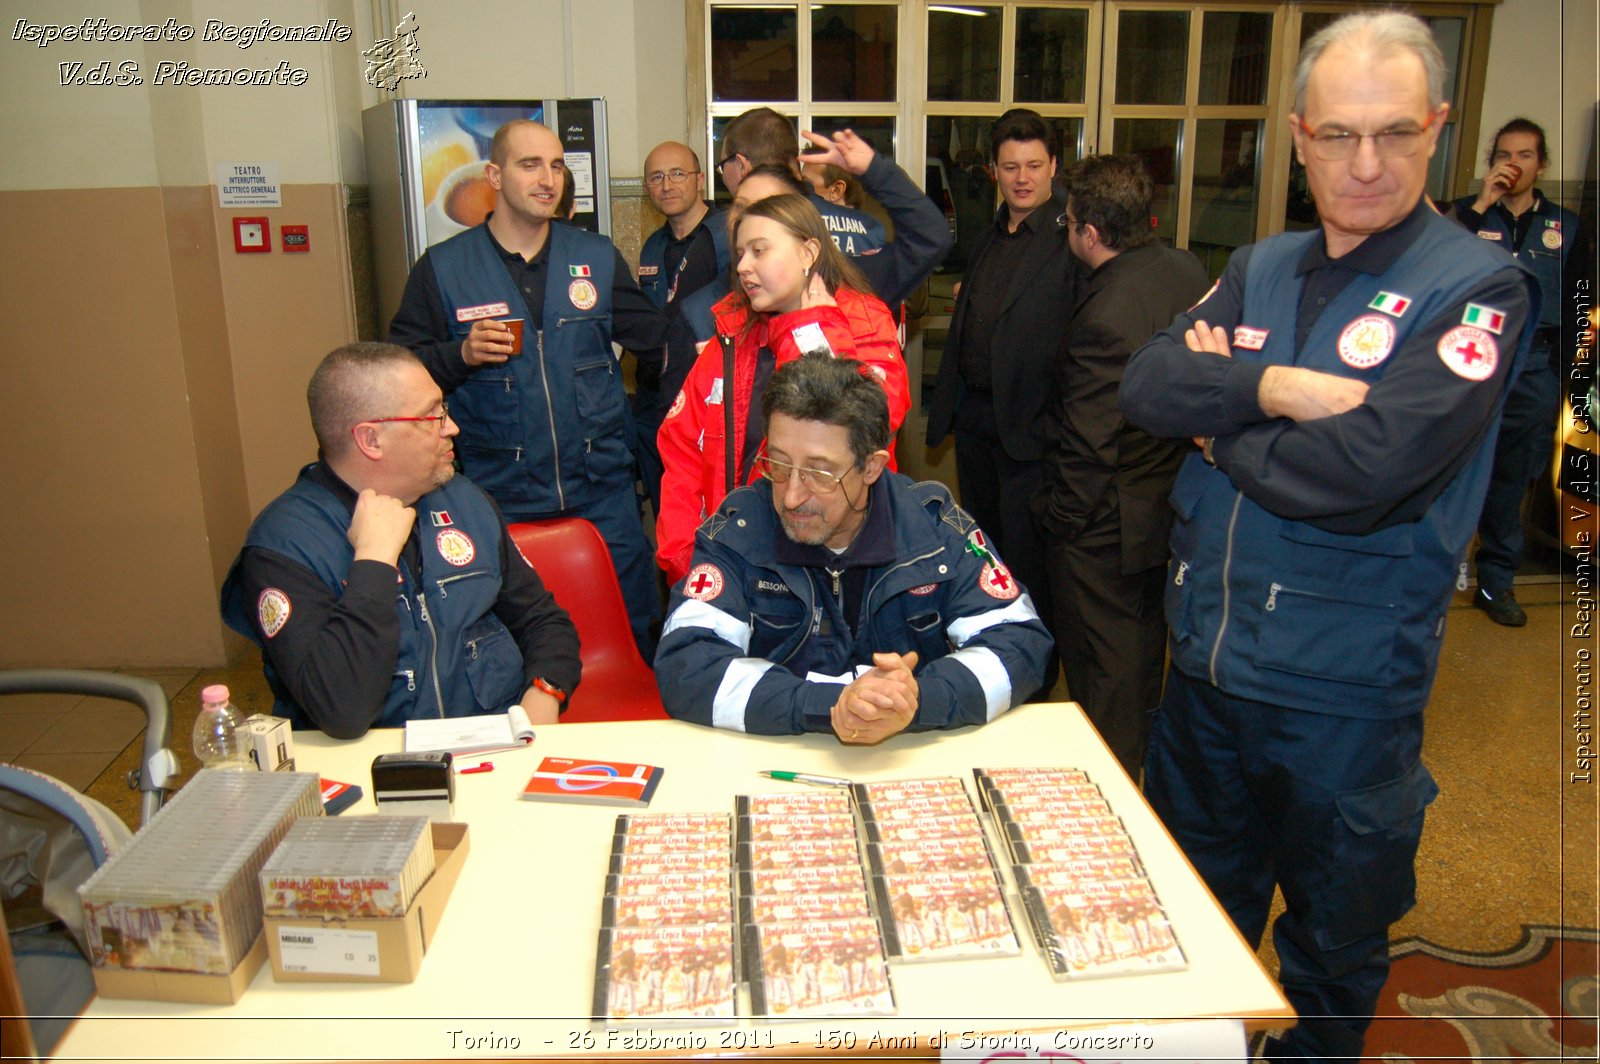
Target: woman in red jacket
x: 794, y: 292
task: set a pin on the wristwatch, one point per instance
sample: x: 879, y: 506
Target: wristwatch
x: 550, y: 689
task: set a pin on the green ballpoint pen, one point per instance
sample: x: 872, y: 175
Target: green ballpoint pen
x: 806, y: 777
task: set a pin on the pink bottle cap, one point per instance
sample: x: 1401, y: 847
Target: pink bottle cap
x: 216, y: 693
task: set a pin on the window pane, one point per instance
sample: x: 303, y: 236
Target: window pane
x: 1069, y: 136
x: 1234, y: 50
x: 1226, y: 189
x: 1155, y: 141
x: 755, y: 53
x: 1447, y: 32
x: 1052, y: 54
x: 1439, y: 165
x: 853, y: 52
x: 1152, y: 49
x: 964, y: 53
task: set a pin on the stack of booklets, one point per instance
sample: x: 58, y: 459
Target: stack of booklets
x: 1092, y: 908
x: 666, y: 949
x: 355, y: 867
x: 811, y: 944
x: 185, y: 893
x: 934, y: 877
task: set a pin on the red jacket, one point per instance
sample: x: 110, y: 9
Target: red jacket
x: 692, y: 438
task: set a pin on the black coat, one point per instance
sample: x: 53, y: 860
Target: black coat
x: 1026, y: 339
x: 1108, y: 481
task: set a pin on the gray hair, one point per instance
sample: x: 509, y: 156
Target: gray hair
x: 349, y: 386
x: 1374, y: 33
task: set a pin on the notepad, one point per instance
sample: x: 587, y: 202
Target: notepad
x: 470, y: 735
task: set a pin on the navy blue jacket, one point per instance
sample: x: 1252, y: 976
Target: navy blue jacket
x: 741, y: 621
x: 1313, y: 564
x: 1553, y: 248
x: 658, y: 278
x: 455, y: 657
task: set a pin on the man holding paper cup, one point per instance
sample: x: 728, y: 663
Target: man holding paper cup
x: 548, y: 432
x: 383, y: 588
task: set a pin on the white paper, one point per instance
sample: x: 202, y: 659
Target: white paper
x: 328, y: 951
x: 580, y: 164
x: 248, y: 184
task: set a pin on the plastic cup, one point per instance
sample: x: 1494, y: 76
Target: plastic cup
x: 515, y: 325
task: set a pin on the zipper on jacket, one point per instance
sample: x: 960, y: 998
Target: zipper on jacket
x: 445, y: 581
x: 1461, y: 575
x: 1227, y: 593
x: 555, y: 444
x: 1177, y: 579
x: 1272, y: 597
x: 433, y: 657
x: 411, y: 678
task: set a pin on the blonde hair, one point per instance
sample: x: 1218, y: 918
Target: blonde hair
x: 802, y: 221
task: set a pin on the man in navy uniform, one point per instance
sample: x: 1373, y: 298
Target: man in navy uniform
x: 1547, y: 238
x: 382, y: 587
x: 1345, y: 387
x: 546, y: 432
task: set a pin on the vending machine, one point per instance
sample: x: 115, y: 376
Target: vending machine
x: 425, y: 162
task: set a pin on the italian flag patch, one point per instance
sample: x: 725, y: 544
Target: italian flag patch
x: 578, y: 271
x: 1484, y: 318
x: 1390, y: 303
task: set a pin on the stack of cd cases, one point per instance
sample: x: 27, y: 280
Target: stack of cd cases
x: 348, y: 867
x: 184, y: 894
x: 1093, y: 910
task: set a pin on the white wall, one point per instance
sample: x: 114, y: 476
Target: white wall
x: 1542, y: 66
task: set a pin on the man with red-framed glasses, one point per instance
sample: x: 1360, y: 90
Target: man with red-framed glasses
x: 382, y: 587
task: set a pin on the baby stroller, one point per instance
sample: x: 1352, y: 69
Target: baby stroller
x: 51, y: 839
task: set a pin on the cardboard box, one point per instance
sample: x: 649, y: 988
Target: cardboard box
x: 150, y: 984
x: 387, y: 950
x: 270, y: 742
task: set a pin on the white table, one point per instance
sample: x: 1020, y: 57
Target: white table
x: 514, y: 956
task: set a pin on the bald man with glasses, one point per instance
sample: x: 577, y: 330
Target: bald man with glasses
x: 383, y: 587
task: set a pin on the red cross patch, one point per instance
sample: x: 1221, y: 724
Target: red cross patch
x: 704, y: 583
x: 1469, y: 352
x: 997, y: 582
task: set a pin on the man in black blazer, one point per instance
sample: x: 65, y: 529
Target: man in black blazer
x: 995, y: 382
x: 1103, y: 505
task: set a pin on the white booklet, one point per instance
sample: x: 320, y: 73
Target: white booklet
x: 510, y: 730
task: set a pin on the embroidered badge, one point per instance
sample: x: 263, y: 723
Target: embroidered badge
x: 456, y: 547
x: 1488, y: 234
x: 582, y: 293
x: 1391, y: 303
x: 997, y: 582
x: 1469, y: 352
x: 678, y: 404
x: 925, y: 589
x: 1484, y: 318
x: 487, y: 310
x: 579, y: 270
x: 648, y: 271
x: 1366, y: 341
x: 272, y: 610
x: 704, y: 583
x: 1249, y: 337
x: 775, y: 586
x: 440, y: 518
x: 1551, y: 239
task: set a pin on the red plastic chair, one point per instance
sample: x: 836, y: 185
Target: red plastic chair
x: 575, y: 565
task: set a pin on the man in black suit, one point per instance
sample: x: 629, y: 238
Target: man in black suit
x: 1103, y: 506
x: 994, y: 385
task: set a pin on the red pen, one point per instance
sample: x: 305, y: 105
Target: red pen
x: 482, y: 766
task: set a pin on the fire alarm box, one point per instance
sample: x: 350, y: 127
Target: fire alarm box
x: 295, y: 237
x: 251, y: 235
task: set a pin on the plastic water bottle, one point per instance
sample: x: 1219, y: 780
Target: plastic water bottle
x: 217, y: 741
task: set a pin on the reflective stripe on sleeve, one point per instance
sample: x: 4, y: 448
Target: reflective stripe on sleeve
x: 962, y: 629
x: 733, y: 693
x: 987, y: 668
x: 692, y: 613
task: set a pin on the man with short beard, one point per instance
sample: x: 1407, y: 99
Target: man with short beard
x: 342, y: 579
x: 835, y: 596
